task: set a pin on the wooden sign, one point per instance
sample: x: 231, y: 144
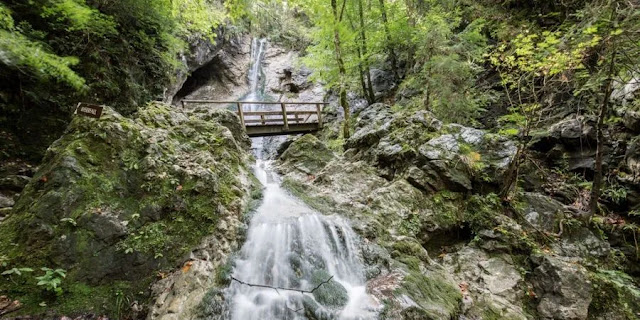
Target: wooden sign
x: 89, y: 110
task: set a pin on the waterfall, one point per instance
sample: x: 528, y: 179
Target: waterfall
x: 290, y: 245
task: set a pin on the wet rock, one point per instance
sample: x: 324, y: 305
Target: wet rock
x: 330, y: 294
x: 563, y: 288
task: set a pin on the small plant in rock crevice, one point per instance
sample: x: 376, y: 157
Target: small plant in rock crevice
x: 52, y: 280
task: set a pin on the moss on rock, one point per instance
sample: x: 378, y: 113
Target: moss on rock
x: 118, y: 199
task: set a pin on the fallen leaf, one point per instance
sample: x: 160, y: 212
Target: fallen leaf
x: 187, y: 266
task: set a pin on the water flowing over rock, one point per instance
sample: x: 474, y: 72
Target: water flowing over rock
x: 292, y: 247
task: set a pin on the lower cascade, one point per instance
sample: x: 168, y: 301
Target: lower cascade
x: 291, y: 246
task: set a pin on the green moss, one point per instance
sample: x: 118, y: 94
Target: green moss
x: 410, y: 248
x: 139, y: 196
x: 614, y: 292
x: 321, y: 203
x: 435, y: 295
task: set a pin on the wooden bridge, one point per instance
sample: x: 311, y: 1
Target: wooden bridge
x: 274, y: 118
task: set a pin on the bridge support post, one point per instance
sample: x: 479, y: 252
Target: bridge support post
x: 319, y: 109
x: 284, y: 117
x: 241, y: 113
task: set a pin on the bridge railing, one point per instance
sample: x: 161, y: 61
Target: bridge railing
x: 277, y: 113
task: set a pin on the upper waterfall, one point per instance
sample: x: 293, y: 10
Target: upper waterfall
x: 290, y: 245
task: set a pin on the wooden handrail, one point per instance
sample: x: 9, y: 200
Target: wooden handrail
x: 279, y: 123
x: 252, y: 102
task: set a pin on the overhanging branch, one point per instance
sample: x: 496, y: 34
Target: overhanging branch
x: 281, y: 288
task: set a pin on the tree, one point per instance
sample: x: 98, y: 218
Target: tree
x: 365, y: 58
x: 337, y: 19
x: 389, y: 43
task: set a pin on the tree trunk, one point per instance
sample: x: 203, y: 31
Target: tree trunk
x: 361, y: 75
x: 392, y: 53
x: 363, y: 39
x: 596, y: 187
x: 510, y: 179
x: 341, y: 69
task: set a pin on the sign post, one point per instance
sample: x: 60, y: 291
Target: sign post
x: 89, y: 110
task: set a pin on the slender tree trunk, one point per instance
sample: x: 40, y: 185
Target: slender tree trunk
x: 361, y: 75
x: 510, y: 179
x: 392, y: 53
x: 363, y: 39
x: 596, y: 187
x: 341, y: 69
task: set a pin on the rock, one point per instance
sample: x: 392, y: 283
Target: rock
x: 330, y: 294
x: 582, y: 243
x: 14, y: 182
x: 572, y: 131
x: 429, y: 296
x: 492, y: 287
x: 4, y: 212
x: 5, y: 201
x: 543, y: 212
x: 563, y: 288
x: 143, y: 192
x: 382, y: 81
x: 372, y: 124
x: 631, y: 120
x: 307, y: 154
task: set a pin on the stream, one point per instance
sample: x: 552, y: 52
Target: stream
x: 290, y: 245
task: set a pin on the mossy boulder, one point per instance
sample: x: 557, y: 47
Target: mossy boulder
x: 307, y: 154
x: 432, y: 296
x: 117, y: 200
x: 329, y: 294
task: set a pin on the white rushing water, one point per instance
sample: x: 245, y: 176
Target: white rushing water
x: 290, y: 245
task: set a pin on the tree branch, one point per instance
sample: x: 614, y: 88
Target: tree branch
x: 281, y: 288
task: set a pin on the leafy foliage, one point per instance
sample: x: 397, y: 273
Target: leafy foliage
x: 52, y: 279
x: 54, y: 53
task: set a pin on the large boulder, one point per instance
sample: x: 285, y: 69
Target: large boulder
x: 492, y: 286
x: 372, y: 124
x: 118, y: 199
x: 543, y: 212
x: 307, y: 155
x: 563, y: 288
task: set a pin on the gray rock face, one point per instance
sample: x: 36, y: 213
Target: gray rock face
x: 431, y: 155
x: 543, y: 212
x: 201, y: 52
x: 382, y: 82
x: 631, y: 120
x: 307, y: 154
x: 14, y: 182
x: 372, y: 124
x: 582, y: 243
x: 563, y: 288
x: 574, y: 133
x: 490, y: 285
x: 6, y: 202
